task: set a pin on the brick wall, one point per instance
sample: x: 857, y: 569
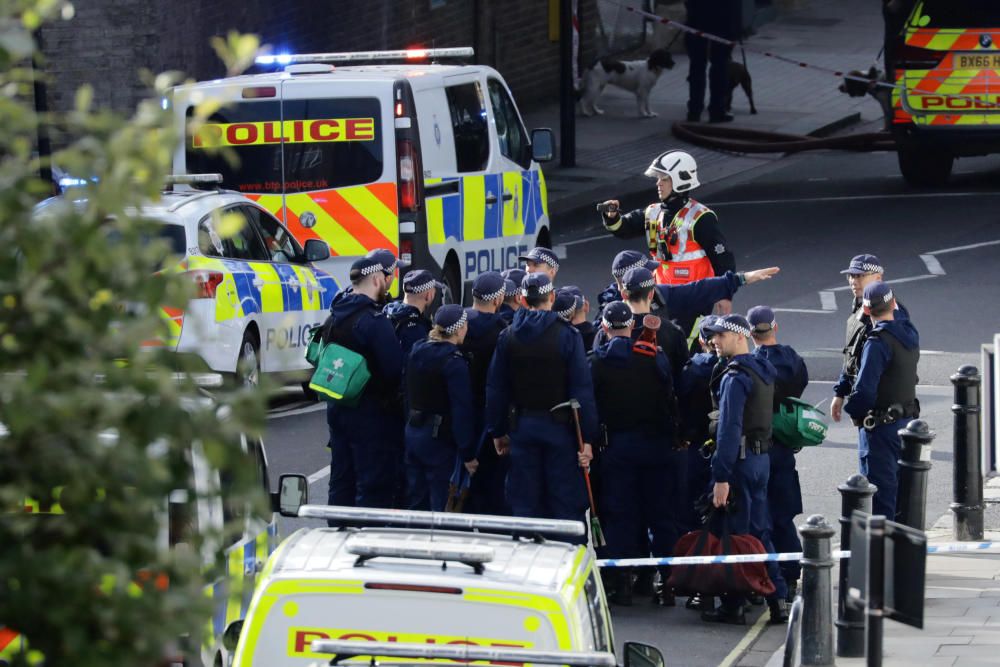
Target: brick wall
x: 109, y: 41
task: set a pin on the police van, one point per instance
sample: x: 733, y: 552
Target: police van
x: 945, y: 61
x: 424, y: 580
x: 431, y: 161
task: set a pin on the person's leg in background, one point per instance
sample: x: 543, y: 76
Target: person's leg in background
x: 697, y: 49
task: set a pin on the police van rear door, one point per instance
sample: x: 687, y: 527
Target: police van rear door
x: 339, y: 181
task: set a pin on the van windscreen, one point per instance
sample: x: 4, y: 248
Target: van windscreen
x: 310, y: 144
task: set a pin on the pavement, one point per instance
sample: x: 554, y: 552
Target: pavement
x: 613, y: 150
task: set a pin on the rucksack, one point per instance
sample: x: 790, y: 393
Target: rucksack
x: 798, y: 424
x: 341, y: 374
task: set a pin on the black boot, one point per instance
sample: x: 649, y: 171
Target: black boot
x: 644, y: 585
x: 755, y: 599
x: 724, y: 615
x: 622, y: 594
x: 779, y: 611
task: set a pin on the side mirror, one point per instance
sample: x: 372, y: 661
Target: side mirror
x: 642, y: 655
x: 293, y: 493
x: 231, y: 636
x: 316, y: 250
x: 543, y: 145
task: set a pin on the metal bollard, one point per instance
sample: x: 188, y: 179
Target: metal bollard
x: 817, y: 621
x: 914, y: 466
x: 855, y: 494
x: 968, y: 468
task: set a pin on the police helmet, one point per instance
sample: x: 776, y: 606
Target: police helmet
x: 679, y: 166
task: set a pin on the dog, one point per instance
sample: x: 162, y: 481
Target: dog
x: 637, y: 76
x: 739, y: 76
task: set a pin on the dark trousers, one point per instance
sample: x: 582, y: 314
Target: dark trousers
x: 699, y: 477
x: 486, y: 492
x: 364, y: 457
x: 638, y: 496
x: 430, y: 463
x: 749, y: 485
x: 784, y: 501
x: 545, y: 480
x: 878, y: 460
x: 716, y: 56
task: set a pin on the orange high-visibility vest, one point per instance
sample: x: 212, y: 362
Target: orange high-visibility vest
x: 687, y: 261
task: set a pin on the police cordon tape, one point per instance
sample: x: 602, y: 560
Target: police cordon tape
x: 948, y: 547
x: 979, y: 102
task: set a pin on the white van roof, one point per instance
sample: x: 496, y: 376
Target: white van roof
x: 352, y: 73
x: 517, y: 564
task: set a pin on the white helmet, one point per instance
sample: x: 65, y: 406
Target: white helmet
x: 679, y: 166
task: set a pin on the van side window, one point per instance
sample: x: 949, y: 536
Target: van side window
x: 514, y: 143
x: 598, y: 617
x: 468, y: 121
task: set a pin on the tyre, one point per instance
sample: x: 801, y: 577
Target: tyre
x: 452, y: 292
x: 248, y: 363
x: 924, y: 167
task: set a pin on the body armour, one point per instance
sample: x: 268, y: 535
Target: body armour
x: 537, y: 370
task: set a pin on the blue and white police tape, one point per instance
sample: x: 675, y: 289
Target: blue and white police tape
x: 948, y: 547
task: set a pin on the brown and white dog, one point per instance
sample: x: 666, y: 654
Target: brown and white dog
x: 637, y: 76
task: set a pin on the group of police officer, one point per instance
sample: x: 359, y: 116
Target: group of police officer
x: 497, y: 408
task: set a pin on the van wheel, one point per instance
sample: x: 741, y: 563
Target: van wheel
x: 452, y: 292
x: 248, y: 364
x: 924, y: 167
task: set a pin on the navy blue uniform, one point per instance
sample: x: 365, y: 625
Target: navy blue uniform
x: 747, y: 477
x: 588, y: 332
x: 685, y: 303
x: 784, y: 493
x: 506, y: 313
x: 430, y: 459
x: 364, y: 440
x: 410, y: 324
x: 639, y: 462
x: 694, y: 395
x: 545, y: 479
x: 859, y: 326
x: 879, y: 448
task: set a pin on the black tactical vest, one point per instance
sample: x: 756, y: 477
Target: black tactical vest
x: 759, y: 406
x: 479, y: 352
x: 856, y: 333
x: 898, y: 384
x: 537, y: 370
x: 426, y: 389
x: 378, y: 386
x: 634, y: 396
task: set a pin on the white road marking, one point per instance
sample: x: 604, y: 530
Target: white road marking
x: 318, y: 475
x: 933, y: 265
x: 588, y: 239
x: 828, y: 300
x: 808, y: 200
x: 749, y: 638
x: 560, y: 251
x: 298, y: 411
x: 971, y: 246
x: 800, y: 310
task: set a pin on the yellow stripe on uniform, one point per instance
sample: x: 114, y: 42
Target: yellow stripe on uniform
x: 341, y: 241
x: 375, y: 212
x: 513, y: 223
x: 474, y: 208
x: 434, y: 208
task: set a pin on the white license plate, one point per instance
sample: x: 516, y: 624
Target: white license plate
x: 977, y: 61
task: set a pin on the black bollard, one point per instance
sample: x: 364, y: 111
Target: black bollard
x: 875, y: 579
x: 817, y: 621
x: 855, y: 494
x: 968, y: 468
x: 914, y: 466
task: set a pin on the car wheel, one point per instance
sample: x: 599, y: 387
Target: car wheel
x: 922, y: 167
x: 248, y: 364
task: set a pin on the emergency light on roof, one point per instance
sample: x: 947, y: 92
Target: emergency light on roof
x: 471, y: 554
x: 191, y: 179
x: 461, y: 653
x: 444, y: 520
x: 361, y: 56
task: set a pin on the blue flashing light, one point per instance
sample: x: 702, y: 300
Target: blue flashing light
x: 264, y: 60
x: 284, y: 59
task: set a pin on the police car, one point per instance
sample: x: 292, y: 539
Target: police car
x: 431, y: 161
x: 945, y: 61
x: 422, y: 581
x: 257, y: 292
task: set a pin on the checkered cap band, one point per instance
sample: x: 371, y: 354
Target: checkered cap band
x: 616, y: 325
x: 568, y: 313
x: 544, y: 289
x: 489, y: 297
x: 885, y: 299
x: 546, y: 257
x: 419, y: 289
x: 618, y: 273
x: 871, y: 268
x: 510, y: 288
x: 735, y: 328
x: 374, y: 268
x: 453, y: 329
x: 643, y: 285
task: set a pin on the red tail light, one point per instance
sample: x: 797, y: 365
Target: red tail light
x: 409, y: 173
x: 205, y: 282
x: 914, y: 57
x: 406, y: 250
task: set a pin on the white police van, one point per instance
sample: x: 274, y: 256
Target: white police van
x: 431, y: 161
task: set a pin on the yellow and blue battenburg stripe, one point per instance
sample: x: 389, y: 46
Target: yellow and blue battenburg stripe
x: 464, y: 215
x: 232, y: 593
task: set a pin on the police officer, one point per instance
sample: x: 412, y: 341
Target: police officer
x: 884, y: 396
x: 682, y: 234
x: 409, y: 317
x: 512, y: 293
x: 743, y: 391
x: 539, y: 364
x: 784, y: 495
x: 441, y: 423
x: 486, y: 493
x: 863, y: 271
x: 580, y: 315
x: 364, y: 438
x: 541, y: 260
x: 635, y: 401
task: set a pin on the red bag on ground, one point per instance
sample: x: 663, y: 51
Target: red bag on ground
x: 719, y: 578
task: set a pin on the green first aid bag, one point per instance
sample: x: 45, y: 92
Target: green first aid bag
x: 797, y: 424
x: 341, y: 374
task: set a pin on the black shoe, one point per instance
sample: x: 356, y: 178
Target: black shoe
x: 779, y: 611
x: 644, y: 582
x: 724, y: 118
x: 693, y: 117
x: 755, y: 599
x: 694, y: 602
x: 723, y: 615
x: 793, y: 589
x: 664, y: 596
